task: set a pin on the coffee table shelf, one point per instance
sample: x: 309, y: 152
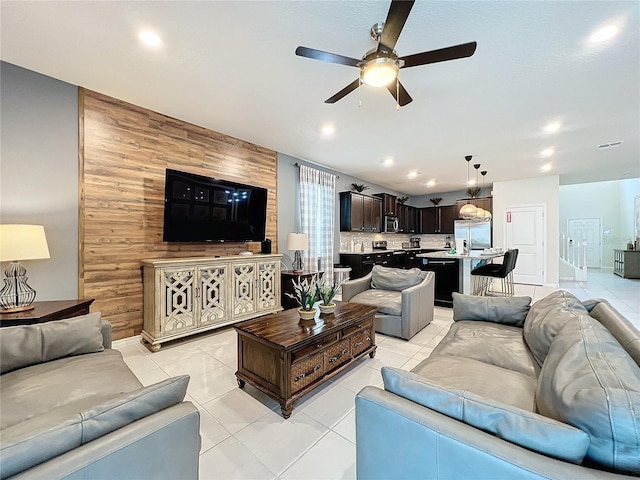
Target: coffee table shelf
x: 287, y: 358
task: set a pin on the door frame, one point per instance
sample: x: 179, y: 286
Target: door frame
x: 599, y: 219
x: 544, y: 234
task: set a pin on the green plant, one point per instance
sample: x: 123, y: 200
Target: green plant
x: 327, y: 290
x: 435, y: 200
x: 305, y: 292
x: 359, y: 187
x: 474, y: 192
x: 401, y: 200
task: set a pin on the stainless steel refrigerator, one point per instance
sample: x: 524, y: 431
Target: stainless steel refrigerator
x: 477, y: 233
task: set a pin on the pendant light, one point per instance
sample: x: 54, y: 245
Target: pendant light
x: 469, y: 210
x: 487, y: 213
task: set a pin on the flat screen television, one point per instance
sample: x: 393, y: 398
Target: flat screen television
x: 205, y: 209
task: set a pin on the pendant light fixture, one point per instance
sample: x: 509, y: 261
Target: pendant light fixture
x: 487, y: 213
x: 468, y: 210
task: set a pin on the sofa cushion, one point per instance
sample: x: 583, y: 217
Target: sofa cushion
x: 621, y: 328
x: 84, y: 379
x: 387, y: 301
x: 488, y: 342
x: 483, y: 379
x: 591, y: 382
x: 505, y: 310
x: 545, y: 319
x: 510, y: 423
x: 395, y: 279
x: 46, y: 436
x: 27, y: 345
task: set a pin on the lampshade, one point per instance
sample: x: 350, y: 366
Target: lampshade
x: 22, y: 242
x: 380, y: 72
x: 297, y: 241
x: 468, y: 211
x: 480, y: 212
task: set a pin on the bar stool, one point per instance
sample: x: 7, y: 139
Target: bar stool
x: 483, y: 275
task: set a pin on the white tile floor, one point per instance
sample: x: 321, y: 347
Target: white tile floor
x: 243, y: 434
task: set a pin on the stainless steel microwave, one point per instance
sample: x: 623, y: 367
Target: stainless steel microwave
x: 391, y: 224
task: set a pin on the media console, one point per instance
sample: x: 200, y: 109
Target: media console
x: 191, y: 295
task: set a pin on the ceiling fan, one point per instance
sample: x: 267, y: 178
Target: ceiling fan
x: 379, y: 67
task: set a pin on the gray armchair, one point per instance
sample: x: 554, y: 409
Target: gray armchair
x: 404, y: 299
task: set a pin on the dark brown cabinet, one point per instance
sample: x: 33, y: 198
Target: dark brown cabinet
x: 438, y: 219
x: 362, y: 263
x: 389, y: 206
x: 360, y: 213
x: 408, y: 219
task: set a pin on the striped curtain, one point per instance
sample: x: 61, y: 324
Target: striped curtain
x: 318, y: 210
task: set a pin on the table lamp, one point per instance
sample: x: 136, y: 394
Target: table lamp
x: 19, y: 242
x: 297, y: 242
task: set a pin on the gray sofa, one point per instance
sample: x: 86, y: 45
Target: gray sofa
x: 71, y: 408
x: 404, y: 298
x: 547, y: 391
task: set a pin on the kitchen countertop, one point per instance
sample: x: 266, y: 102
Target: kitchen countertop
x: 391, y: 250
x: 473, y: 255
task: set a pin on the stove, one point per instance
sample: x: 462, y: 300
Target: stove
x: 379, y: 245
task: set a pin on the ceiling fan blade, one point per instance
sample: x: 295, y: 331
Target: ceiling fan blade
x: 405, y: 98
x: 344, y: 92
x: 326, y: 56
x: 396, y: 18
x: 440, y: 55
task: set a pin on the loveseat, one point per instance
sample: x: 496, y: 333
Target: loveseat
x: 512, y: 391
x: 404, y: 298
x: 71, y: 408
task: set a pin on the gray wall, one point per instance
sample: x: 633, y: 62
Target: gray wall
x: 39, y: 172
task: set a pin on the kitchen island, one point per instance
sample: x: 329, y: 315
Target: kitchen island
x: 453, y: 272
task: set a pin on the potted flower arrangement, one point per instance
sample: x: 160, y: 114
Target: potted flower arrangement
x: 305, y: 292
x: 327, y: 291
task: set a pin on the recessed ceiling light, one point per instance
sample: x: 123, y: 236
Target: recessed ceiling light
x: 150, y: 39
x: 547, y: 152
x: 604, y: 34
x: 552, y: 127
x: 388, y: 162
x: 328, y: 130
x: 431, y: 183
x: 412, y: 174
x: 546, y: 167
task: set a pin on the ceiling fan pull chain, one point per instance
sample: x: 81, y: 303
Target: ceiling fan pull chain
x: 397, y: 95
x: 359, y: 89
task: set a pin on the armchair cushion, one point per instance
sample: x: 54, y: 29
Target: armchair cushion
x: 27, y: 345
x: 528, y: 429
x: 387, y: 302
x: 505, y: 310
x: 395, y: 279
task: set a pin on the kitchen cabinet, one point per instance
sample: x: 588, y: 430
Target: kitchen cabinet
x: 438, y: 219
x: 485, y: 203
x: 362, y: 263
x: 389, y: 206
x: 408, y: 219
x: 360, y: 213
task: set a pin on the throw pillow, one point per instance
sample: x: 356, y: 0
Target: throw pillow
x: 27, y: 345
x: 504, y: 310
x: 395, y: 279
x: 591, y: 382
x: 527, y: 429
x: 546, y: 318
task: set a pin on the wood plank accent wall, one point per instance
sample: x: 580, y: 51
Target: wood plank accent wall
x: 123, y: 153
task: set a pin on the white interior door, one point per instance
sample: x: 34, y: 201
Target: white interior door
x: 588, y: 230
x: 525, y: 231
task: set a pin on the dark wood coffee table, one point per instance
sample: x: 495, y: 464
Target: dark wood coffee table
x: 287, y: 358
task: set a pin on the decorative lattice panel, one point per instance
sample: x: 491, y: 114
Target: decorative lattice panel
x: 268, y: 272
x: 178, y: 300
x: 244, y: 299
x: 213, y: 296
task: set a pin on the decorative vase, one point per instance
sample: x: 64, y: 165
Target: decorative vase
x: 306, y: 314
x: 327, y: 308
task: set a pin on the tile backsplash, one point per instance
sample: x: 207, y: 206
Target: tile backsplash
x: 394, y: 240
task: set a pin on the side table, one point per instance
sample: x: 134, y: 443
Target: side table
x: 287, y: 287
x: 46, y: 311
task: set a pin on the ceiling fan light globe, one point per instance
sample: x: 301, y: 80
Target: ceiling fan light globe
x: 380, y: 72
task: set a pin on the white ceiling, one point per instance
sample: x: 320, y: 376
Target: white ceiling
x: 230, y: 66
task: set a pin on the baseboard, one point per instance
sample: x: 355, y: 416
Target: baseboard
x: 126, y: 341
